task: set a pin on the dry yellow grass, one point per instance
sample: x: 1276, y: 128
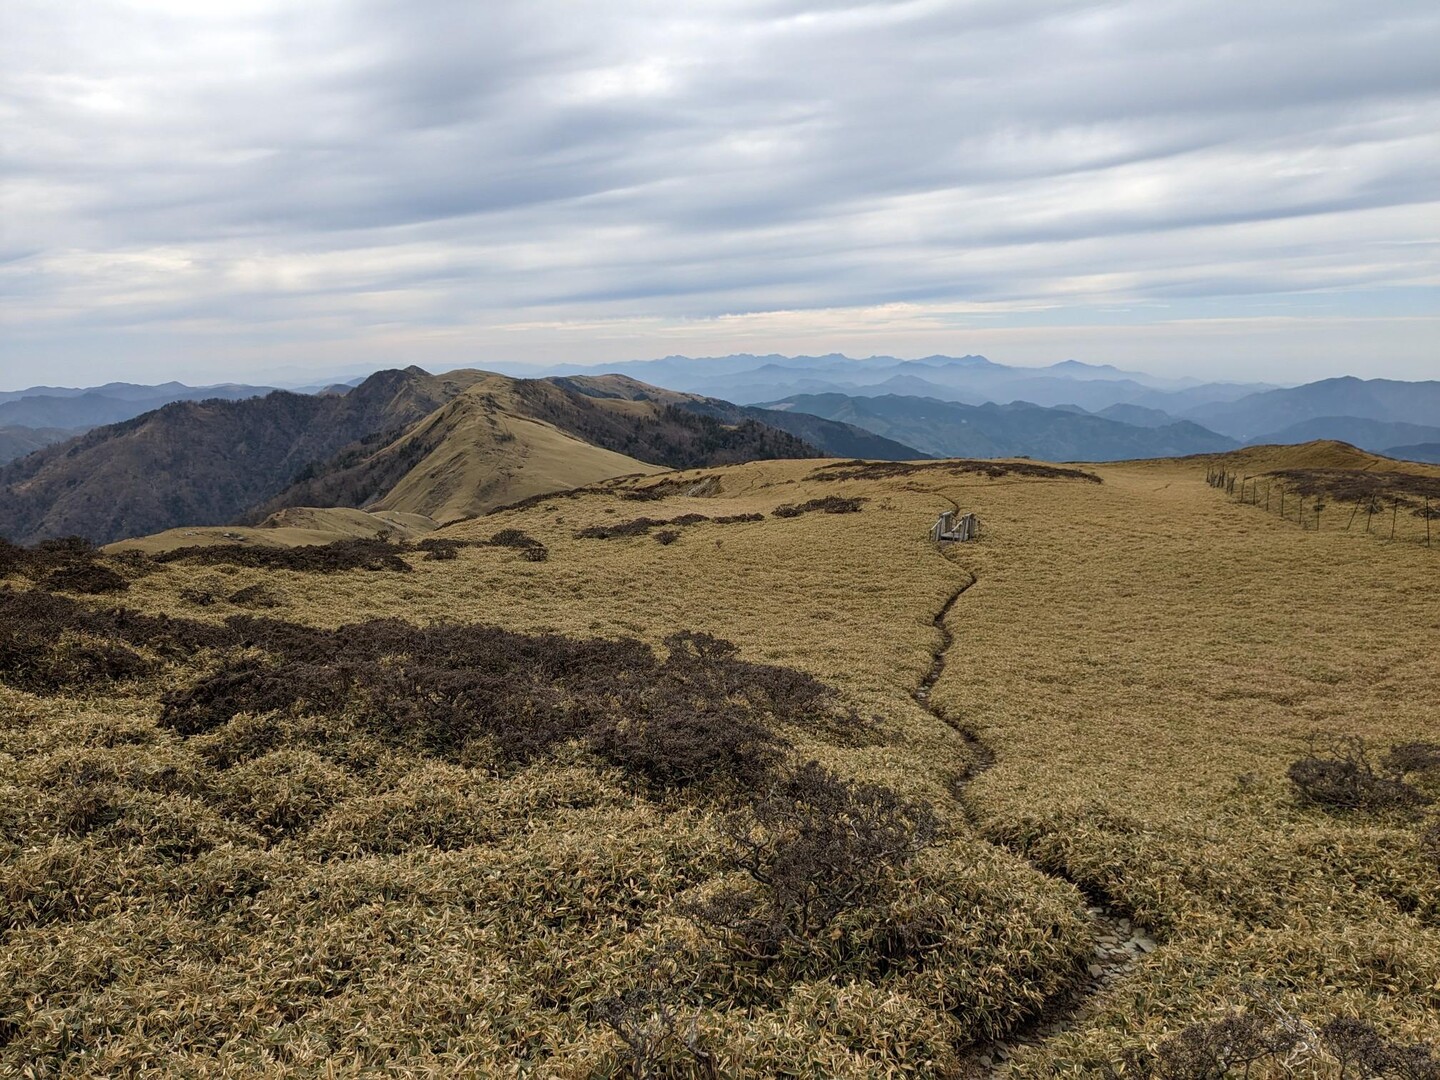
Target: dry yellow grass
x: 482, y: 452
x: 1142, y: 657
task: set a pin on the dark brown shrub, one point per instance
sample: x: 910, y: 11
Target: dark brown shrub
x: 42, y: 664
x: 1356, y: 1045
x: 1213, y: 1050
x: 670, y: 739
x: 1337, y: 774
x: 699, y: 716
x: 648, y: 1022
x: 48, y: 555
x: 257, y: 596
x: 442, y: 552
x: 667, y: 536
x: 90, y: 578
x: 49, y: 615
x: 357, y: 554
x: 198, y: 597
x: 830, y: 504
x: 531, y: 550
x: 882, y: 470
x: 512, y: 538
x: 1415, y: 757
x: 815, y: 846
x: 254, y: 688
x: 1413, y: 1062
x: 641, y: 526
x: 634, y: 527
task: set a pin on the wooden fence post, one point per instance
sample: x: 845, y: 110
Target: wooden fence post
x: 1394, y: 509
x: 1427, y: 520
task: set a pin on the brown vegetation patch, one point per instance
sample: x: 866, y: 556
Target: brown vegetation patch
x: 530, y: 548
x: 1340, y: 773
x: 50, y: 643
x: 641, y: 526
x: 814, y: 847
x: 254, y: 596
x: 698, y: 714
x: 830, y: 504
x: 885, y: 470
x: 89, y: 578
x: 693, y: 487
x: 1269, y: 1041
x: 39, y: 559
x: 358, y: 554
x: 1361, y: 487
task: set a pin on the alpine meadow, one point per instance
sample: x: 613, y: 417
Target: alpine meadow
x: 731, y: 772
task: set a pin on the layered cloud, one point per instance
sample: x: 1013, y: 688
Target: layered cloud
x: 256, y: 182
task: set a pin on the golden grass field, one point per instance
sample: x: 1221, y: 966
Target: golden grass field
x: 1143, y: 658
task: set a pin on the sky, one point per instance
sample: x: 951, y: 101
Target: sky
x: 260, y: 190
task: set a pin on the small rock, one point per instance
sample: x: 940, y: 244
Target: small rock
x: 1096, y: 971
x: 1144, y: 944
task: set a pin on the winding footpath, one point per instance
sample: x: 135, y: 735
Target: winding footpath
x: 1118, y: 942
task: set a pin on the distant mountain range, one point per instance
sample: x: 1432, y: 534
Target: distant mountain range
x: 445, y: 446
x: 1019, y: 429
x: 1375, y: 414
x: 973, y: 380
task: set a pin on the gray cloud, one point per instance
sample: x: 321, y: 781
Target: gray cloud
x: 278, y: 172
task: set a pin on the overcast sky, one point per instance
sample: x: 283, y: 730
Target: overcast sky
x: 266, y: 191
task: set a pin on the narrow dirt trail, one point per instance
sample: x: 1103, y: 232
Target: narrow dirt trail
x: 1118, y: 942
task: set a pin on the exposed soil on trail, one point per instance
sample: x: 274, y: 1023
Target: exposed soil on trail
x: 1118, y: 941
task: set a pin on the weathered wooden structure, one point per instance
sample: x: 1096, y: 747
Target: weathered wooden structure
x: 952, y: 527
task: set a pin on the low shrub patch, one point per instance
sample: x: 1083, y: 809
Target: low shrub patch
x: 531, y: 550
x: 642, y: 525
x: 884, y: 470
x: 313, y: 558
x: 42, y: 664
x: 1339, y: 774
x: 90, y: 578
x: 634, y: 527
x: 830, y: 504
x: 697, y: 715
x: 815, y: 846
x: 255, y: 596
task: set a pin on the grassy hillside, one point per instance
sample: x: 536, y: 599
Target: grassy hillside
x: 520, y: 810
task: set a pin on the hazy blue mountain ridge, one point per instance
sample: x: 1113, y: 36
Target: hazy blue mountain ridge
x: 952, y: 429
